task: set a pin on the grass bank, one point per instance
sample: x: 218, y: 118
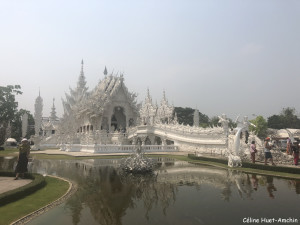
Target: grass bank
x: 9, y: 152
x: 53, y: 190
x: 38, y: 182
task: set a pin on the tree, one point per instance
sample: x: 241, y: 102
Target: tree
x: 204, y: 120
x: 275, y: 122
x: 214, y: 121
x: 17, y: 124
x: 231, y: 124
x: 290, y: 120
x: 8, y: 107
x: 261, y: 126
x: 286, y: 119
x: 186, y: 116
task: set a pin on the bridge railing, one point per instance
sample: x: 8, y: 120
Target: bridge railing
x: 180, y: 131
x: 126, y: 148
x: 160, y: 148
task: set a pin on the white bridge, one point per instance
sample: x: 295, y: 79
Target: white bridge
x: 187, y: 138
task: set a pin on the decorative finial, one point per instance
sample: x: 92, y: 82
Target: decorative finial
x: 148, y: 93
x: 81, y: 72
x: 105, y: 71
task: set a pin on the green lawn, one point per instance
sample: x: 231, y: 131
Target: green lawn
x: 9, y: 152
x: 54, y: 189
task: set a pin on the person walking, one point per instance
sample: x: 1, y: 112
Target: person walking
x: 253, y: 151
x: 295, y: 149
x: 267, y: 150
x: 24, y: 151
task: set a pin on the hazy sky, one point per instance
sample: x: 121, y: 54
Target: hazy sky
x: 233, y: 57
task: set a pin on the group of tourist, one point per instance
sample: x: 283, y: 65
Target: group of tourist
x: 292, y: 149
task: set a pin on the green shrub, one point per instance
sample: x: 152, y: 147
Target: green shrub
x: 223, y: 161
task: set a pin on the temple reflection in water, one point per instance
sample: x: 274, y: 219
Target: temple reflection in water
x: 175, y: 193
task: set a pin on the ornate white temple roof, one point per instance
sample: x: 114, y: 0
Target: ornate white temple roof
x: 148, y: 109
x: 82, y: 104
x: 165, y: 110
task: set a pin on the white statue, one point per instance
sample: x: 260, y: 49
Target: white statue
x: 234, y: 160
x: 196, y: 118
x: 224, y: 122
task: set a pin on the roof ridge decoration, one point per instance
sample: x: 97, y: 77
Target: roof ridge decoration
x: 165, y: 111
x: 148, y: 110
x: 76, y: 95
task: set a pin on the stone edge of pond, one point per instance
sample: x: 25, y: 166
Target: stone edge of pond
x: 71, y: 190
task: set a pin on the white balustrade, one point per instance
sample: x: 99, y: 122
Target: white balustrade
x: 120, y: 148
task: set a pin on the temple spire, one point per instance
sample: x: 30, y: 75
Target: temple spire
x: 164, y: 96
x: 81, y: 72
x: 38, y: 113
x: 81, y: 84
x: 53, y: 116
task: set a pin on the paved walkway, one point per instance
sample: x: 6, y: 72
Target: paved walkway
x: 8, y: 183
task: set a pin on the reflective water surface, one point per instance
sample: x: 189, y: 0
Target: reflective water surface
x: 176, y: 193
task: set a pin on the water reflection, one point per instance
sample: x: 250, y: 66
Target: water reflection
x: 176, y: 193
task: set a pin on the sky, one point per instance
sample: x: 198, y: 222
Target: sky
x: 219, y: 56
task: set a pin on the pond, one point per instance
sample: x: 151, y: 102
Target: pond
x: 176, y: 193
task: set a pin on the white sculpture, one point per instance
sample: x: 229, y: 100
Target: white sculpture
x: 224, y: 122
x: 234, y: 160
x: 234, y: 143
x: 196, y: 118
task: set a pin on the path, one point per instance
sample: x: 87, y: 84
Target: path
x: 8, y: 183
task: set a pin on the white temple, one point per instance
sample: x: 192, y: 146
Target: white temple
x: 109, y: 119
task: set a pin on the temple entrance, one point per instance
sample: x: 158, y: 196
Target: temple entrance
x: 157, y: 140
x: 118, y: 119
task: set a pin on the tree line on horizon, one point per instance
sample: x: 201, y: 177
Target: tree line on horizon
x: 287, y: 118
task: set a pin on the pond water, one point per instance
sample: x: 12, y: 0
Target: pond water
x: 176, y: 193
